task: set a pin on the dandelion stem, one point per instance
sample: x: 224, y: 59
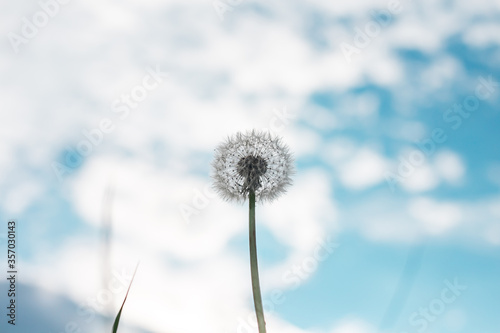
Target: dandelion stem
x: 254, y: 270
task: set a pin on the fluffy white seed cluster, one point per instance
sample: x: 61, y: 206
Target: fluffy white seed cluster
x: 254, y: 161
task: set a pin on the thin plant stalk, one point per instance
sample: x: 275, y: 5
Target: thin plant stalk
x: 254, y: 269
x: 119, y: 315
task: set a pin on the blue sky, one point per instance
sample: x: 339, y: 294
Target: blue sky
x: 391, y: 109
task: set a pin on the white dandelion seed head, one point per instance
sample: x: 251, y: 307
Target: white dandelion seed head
x: 253, y: 161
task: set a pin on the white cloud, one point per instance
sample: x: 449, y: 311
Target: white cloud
x: 442, y: 72
x: 361, y: 106
x: 480, y: 7
x: 492, y: 234
x: 367, y: 105
x: 387, y: 71
x: 450, y: 166
x: 351, y: 8
x: 436, y: 217
x: 23, y: 194
x: 410, y: 33
x: 353, y: 326
x: 493, y: 173
x: 423, y: 179
x: 299, y: 223
x: 363, y: 170
x: 418, y: 172
x: 483, y: 34
x: 321, y: 118
x: 338, y: 150
x: 385, y: 218
x: 407, y: 130
x: 302, y: 141
x: 394, y: 226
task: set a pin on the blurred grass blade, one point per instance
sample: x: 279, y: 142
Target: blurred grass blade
x: 117, y: 319
x: 106, y: 236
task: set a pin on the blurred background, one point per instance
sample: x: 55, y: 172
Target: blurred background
x: 109, y: 115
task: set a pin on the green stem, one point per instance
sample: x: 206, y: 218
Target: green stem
x: 254, y: 269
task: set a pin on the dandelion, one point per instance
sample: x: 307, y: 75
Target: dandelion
x: 252, y: 162
x: 258, y: 166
